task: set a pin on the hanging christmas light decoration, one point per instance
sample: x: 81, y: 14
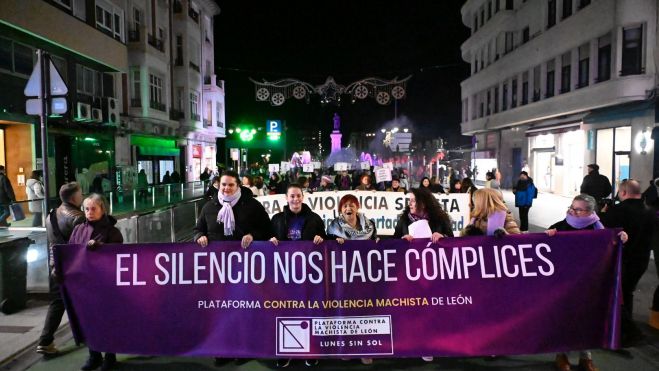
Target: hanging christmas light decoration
x: 330, y: 92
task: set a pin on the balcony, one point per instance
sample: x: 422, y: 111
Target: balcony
x: 207, y: 80
x: 156, y: 43
x: 194, y: 15
x: 194, y: 66
x: 136, y: 102
x: 158, y: 106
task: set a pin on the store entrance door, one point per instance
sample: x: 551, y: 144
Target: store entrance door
x: 621, y: 169
x: 543, y: 163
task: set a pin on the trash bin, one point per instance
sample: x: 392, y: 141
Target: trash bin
x: 13, y: 274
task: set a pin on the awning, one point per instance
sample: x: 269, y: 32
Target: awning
x: 158, y: 151
x: 620, y: 112
x: 557, y: 129
x: 154, y: 146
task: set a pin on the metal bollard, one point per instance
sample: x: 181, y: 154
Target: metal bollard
x: 111, y: 203
x: 134, y: 199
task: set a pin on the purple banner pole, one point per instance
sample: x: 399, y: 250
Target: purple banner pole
x: 471, y: 296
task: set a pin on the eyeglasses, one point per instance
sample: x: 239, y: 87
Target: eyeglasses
x: 576, y: 210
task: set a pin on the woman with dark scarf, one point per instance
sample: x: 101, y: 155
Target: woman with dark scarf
x: 580, y: 216
x: 525, y: 191
x: 97, y: 230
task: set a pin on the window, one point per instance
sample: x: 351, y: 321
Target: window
x: 504, y: 96
x: 475, y: 22
x: 525, y: 88
x: 220, y: 124
x: 136, y: 101
x: 108, y: 85
x: 551, y: 80
x: 509, y: 42
x: 193, y: 52
x: 525, y: 34
x: 474, y: 105
x: 194, y: 106
x: 23, y: 59
x: 496, y: 6
x: 583, y: 3
x: 482, y: 16
x: 604, y: 58
x: 155, y: 92
x: 64, y: 3
x: 481, y: 107
x: 513, y: 99
x: 80, y: 9
x: 489, y: 10
x: 551, y: 13
x: 632, y: 52
x: 88, y: 81
x: 109, y: 19
x: 487, y: 108
x: 509, y: 5
x: 496, y: 99
x: 536, y: 83
x: 565, y: 72
x: 584, y: 63
x: 567, y: 8
x: 60, y: 64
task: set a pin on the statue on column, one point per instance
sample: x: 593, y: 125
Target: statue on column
x: 337, y: 122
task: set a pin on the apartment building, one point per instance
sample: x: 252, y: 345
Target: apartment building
x: 559, y: 84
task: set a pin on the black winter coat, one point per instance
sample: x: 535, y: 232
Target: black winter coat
x: 313, y: 224
x: 638, y: 221
x: 596, y: 185
x: 249, y: 214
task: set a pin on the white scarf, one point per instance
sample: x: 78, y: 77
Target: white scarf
x: 225, y: 215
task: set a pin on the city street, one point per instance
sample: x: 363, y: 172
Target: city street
x: 547, y: 209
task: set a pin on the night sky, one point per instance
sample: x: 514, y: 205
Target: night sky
x: 349, y: 40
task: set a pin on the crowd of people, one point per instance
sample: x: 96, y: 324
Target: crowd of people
x: 232, y: 213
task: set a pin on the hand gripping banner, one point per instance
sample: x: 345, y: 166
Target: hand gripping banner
x: 470, y: 296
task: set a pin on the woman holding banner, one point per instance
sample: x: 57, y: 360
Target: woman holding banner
x: 233, y: 214
x: 297, y: 223
x: 490, y: 216
x: 97, y: 229
x: 580, y: 216
x: 352, y: 225
x: 423, y: 209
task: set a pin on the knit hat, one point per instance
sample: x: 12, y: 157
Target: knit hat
x: 326, y: 178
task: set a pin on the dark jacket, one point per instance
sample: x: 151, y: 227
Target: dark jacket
x: 439, y: 225
x: 102, y: 231
x: 525, y: 191
x: 68, y: 217
x: 638, y: 221
x: 312, y: 226
x: 249, y: 214
x: 596, y: 185
x: 6, y: 191
x: 564, y: 226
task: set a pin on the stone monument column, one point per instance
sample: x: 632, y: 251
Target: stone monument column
x: 336, y: 134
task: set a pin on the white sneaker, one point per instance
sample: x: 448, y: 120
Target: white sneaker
x: 47, y: 349
x: 427, y: 359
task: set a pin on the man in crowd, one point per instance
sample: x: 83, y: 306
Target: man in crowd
x: 6, y: 197
x: 596, y: 184
x: 59, y: 226
x: 637, y: 220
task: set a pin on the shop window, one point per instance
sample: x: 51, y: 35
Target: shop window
x: 604, y: 58
x: 632, y: 51
x: 6, y: 59
x: 23, y: 59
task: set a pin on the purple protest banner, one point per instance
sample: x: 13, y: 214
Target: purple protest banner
x: 470, y: 296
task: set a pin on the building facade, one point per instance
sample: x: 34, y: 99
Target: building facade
x: 558, y: 84
x: 131, y: 103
